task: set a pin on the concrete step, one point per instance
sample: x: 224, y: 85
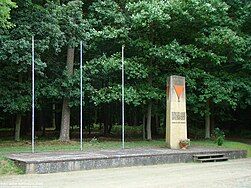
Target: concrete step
x: 212, y: 159
x: 208, y: 155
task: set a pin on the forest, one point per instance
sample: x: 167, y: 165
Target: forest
x: 206, y: 41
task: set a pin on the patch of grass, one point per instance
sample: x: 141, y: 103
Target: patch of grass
x: 8, y: 167
x: 7, y: 147
x: 227, y: 144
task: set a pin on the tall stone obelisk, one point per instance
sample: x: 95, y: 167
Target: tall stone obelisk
x: 176, y: 118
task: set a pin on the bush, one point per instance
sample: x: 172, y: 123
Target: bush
x: 219, y: 136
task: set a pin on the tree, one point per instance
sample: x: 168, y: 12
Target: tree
x: 16, y: 62
x: 5, y: 8
x: 74, y: 28
x: 207, y: 42
x: 30, y: 19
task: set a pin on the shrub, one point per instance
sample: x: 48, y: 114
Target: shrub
x: 219, y: 136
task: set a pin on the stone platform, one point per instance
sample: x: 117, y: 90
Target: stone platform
x: 51, y: 162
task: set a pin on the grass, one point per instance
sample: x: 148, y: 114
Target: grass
x: 7, y: 147
x: 227, y: 144
x: 8, y: 167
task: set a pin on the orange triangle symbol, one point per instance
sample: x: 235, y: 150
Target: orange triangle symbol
x: 179, y: 90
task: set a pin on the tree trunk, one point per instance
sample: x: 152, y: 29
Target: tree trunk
x: 41, y: 121
x: 149, y: 119
x: 18, y: 126
x: 156, y: 127
x: 18, y: 118
x: 110, y: 119
x: 26, y: 128
x: 89, y: 128
x: 212, y: 119
x: 110, y: 128
x: 212, y: 123
x: 144, y: 127
x: 135, y: 121
x: 66, y: 113
x: 65, y: 122
x: 207, y: 120
x: 105, y: 115
x: 96, y: 115
x: 157, y: 121
x: 54, y: 117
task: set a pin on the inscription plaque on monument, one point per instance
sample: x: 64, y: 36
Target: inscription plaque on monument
x: 176, y: 119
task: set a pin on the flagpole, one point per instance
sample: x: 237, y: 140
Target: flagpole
x: 81, y: 96
x: 33, y: 98
x: 123, y: 100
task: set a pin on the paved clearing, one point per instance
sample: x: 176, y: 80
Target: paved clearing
x: 235, y: 173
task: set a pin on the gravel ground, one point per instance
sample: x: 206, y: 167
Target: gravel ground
x: 233, y: 173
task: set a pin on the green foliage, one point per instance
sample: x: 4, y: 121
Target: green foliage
x: 5, y: 8
x: 207, y: 42
x: 71, y: 22
x: 219, y: 136
x: 148, y: 15
x: 8, y: 167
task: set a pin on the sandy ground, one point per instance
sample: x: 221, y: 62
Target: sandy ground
x: 234, y: 173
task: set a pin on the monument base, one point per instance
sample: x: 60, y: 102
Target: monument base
x: 51, y: 162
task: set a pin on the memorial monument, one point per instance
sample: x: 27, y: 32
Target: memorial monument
x: 176, y: 118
